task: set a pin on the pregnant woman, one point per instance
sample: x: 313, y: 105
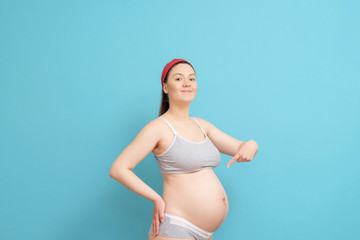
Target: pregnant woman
x: 194, y: 203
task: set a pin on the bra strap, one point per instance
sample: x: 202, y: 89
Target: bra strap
x: 199, y: 125
x: 172, y: 129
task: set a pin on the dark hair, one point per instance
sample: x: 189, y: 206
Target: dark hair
x: 165, y: 104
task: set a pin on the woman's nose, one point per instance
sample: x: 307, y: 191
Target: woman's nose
x: 186, y: 82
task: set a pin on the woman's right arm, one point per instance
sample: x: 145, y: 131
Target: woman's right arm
x: 133, y: 154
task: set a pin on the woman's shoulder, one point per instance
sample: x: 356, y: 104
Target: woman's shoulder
x: 201, y: 120
x: 153, y: 130
x: 155, y: 125
x: 204, y: 123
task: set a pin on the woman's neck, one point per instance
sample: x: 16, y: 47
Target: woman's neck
x: 179, y: 112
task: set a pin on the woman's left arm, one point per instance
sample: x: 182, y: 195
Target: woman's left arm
x: 240, y: 151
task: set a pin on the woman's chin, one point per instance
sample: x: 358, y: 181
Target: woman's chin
x: 189, y: 100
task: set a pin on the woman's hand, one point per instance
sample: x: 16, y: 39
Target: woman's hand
x: 158, y: 215
x: 246, y: 152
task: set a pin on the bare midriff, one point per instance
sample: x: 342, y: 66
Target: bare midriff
x: 198, y: 197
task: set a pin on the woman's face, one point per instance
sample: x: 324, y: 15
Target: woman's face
x: 181, y: 83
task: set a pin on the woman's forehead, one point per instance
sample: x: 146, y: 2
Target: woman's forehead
x: 182, y: 68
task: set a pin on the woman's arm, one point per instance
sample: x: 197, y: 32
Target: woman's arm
x: 222, y: 141
x: 133, y: 154
x: 240, y: 151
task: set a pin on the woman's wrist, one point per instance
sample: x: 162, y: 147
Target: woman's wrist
x: 157, y: 199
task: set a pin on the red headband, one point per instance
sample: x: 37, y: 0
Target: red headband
x: 168, y: 66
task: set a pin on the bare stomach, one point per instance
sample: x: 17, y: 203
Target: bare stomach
x: 198, y: 197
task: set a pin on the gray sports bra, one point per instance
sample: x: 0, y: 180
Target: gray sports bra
x: 184, y: 156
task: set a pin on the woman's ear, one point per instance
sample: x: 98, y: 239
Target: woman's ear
x: 165, y: 88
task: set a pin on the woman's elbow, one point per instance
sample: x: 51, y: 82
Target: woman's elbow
x: 112, y: 173
x: 117, y: 171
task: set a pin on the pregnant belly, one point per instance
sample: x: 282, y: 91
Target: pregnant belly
x: 198, y: 197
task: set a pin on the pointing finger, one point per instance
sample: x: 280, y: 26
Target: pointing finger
x: 231, y: 162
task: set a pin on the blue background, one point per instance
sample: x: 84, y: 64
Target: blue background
x: 80, y: 79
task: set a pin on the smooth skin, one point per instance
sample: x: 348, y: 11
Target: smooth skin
x: 181, y: 88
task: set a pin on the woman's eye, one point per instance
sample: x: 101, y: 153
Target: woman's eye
x: 177, y: 78
x: 193, y: 79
